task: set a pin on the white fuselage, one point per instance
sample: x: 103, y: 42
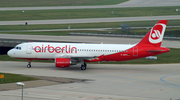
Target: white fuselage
x: 46, y: 50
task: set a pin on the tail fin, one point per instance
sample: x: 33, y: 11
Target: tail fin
x: 155, y: 35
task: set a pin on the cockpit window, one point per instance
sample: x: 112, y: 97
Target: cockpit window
x: 18, y: 48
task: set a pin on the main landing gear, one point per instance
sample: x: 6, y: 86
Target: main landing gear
x: 83, y: 66
x: 29, y: 64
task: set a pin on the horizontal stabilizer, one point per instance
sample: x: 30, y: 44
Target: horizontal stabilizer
x: 155, y: 50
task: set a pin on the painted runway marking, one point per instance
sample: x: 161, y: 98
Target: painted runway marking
x: 161, y: 79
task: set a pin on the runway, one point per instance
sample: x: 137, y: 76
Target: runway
x: 109, y: 82
x: 90, y: 20
x: 131, y: 3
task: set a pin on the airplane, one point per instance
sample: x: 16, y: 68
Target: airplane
x: 66, y: 54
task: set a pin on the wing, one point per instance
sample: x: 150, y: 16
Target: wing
x: 87, y: 58
x: 76, y: 56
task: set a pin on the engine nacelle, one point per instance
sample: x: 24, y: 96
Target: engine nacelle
x: 62, y: 62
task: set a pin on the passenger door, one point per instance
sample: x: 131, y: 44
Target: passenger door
x: 28, y: 49
x: 135, y: 51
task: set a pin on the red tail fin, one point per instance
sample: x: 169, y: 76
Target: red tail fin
x: 155, y: 35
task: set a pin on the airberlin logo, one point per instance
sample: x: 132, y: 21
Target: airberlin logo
x: 156, y: 33
x: 57, y: 49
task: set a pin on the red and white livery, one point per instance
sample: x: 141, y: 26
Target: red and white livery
x: 66, y: 54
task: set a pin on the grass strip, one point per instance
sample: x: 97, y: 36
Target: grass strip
x: 87, y: 13
x: 11, y: 78
x: 35, y: 3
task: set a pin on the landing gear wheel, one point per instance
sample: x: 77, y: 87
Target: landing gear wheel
x: 83, y: 67
x: 28, y: 65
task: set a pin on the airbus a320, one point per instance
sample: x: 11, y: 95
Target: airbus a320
x: 66, y: 54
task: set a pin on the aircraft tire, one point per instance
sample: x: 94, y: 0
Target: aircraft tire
x: 28, y: 65
x: 83, y: 67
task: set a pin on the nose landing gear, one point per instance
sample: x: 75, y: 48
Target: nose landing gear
x: 29, y: 64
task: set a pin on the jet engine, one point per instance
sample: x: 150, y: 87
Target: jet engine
x: 64, y: 62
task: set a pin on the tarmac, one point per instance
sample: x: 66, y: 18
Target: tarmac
x: 105, y: 82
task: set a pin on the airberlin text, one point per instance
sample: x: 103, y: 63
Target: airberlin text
x: 57, y: 49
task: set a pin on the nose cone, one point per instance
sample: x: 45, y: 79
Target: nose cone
x: 10, y: 53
